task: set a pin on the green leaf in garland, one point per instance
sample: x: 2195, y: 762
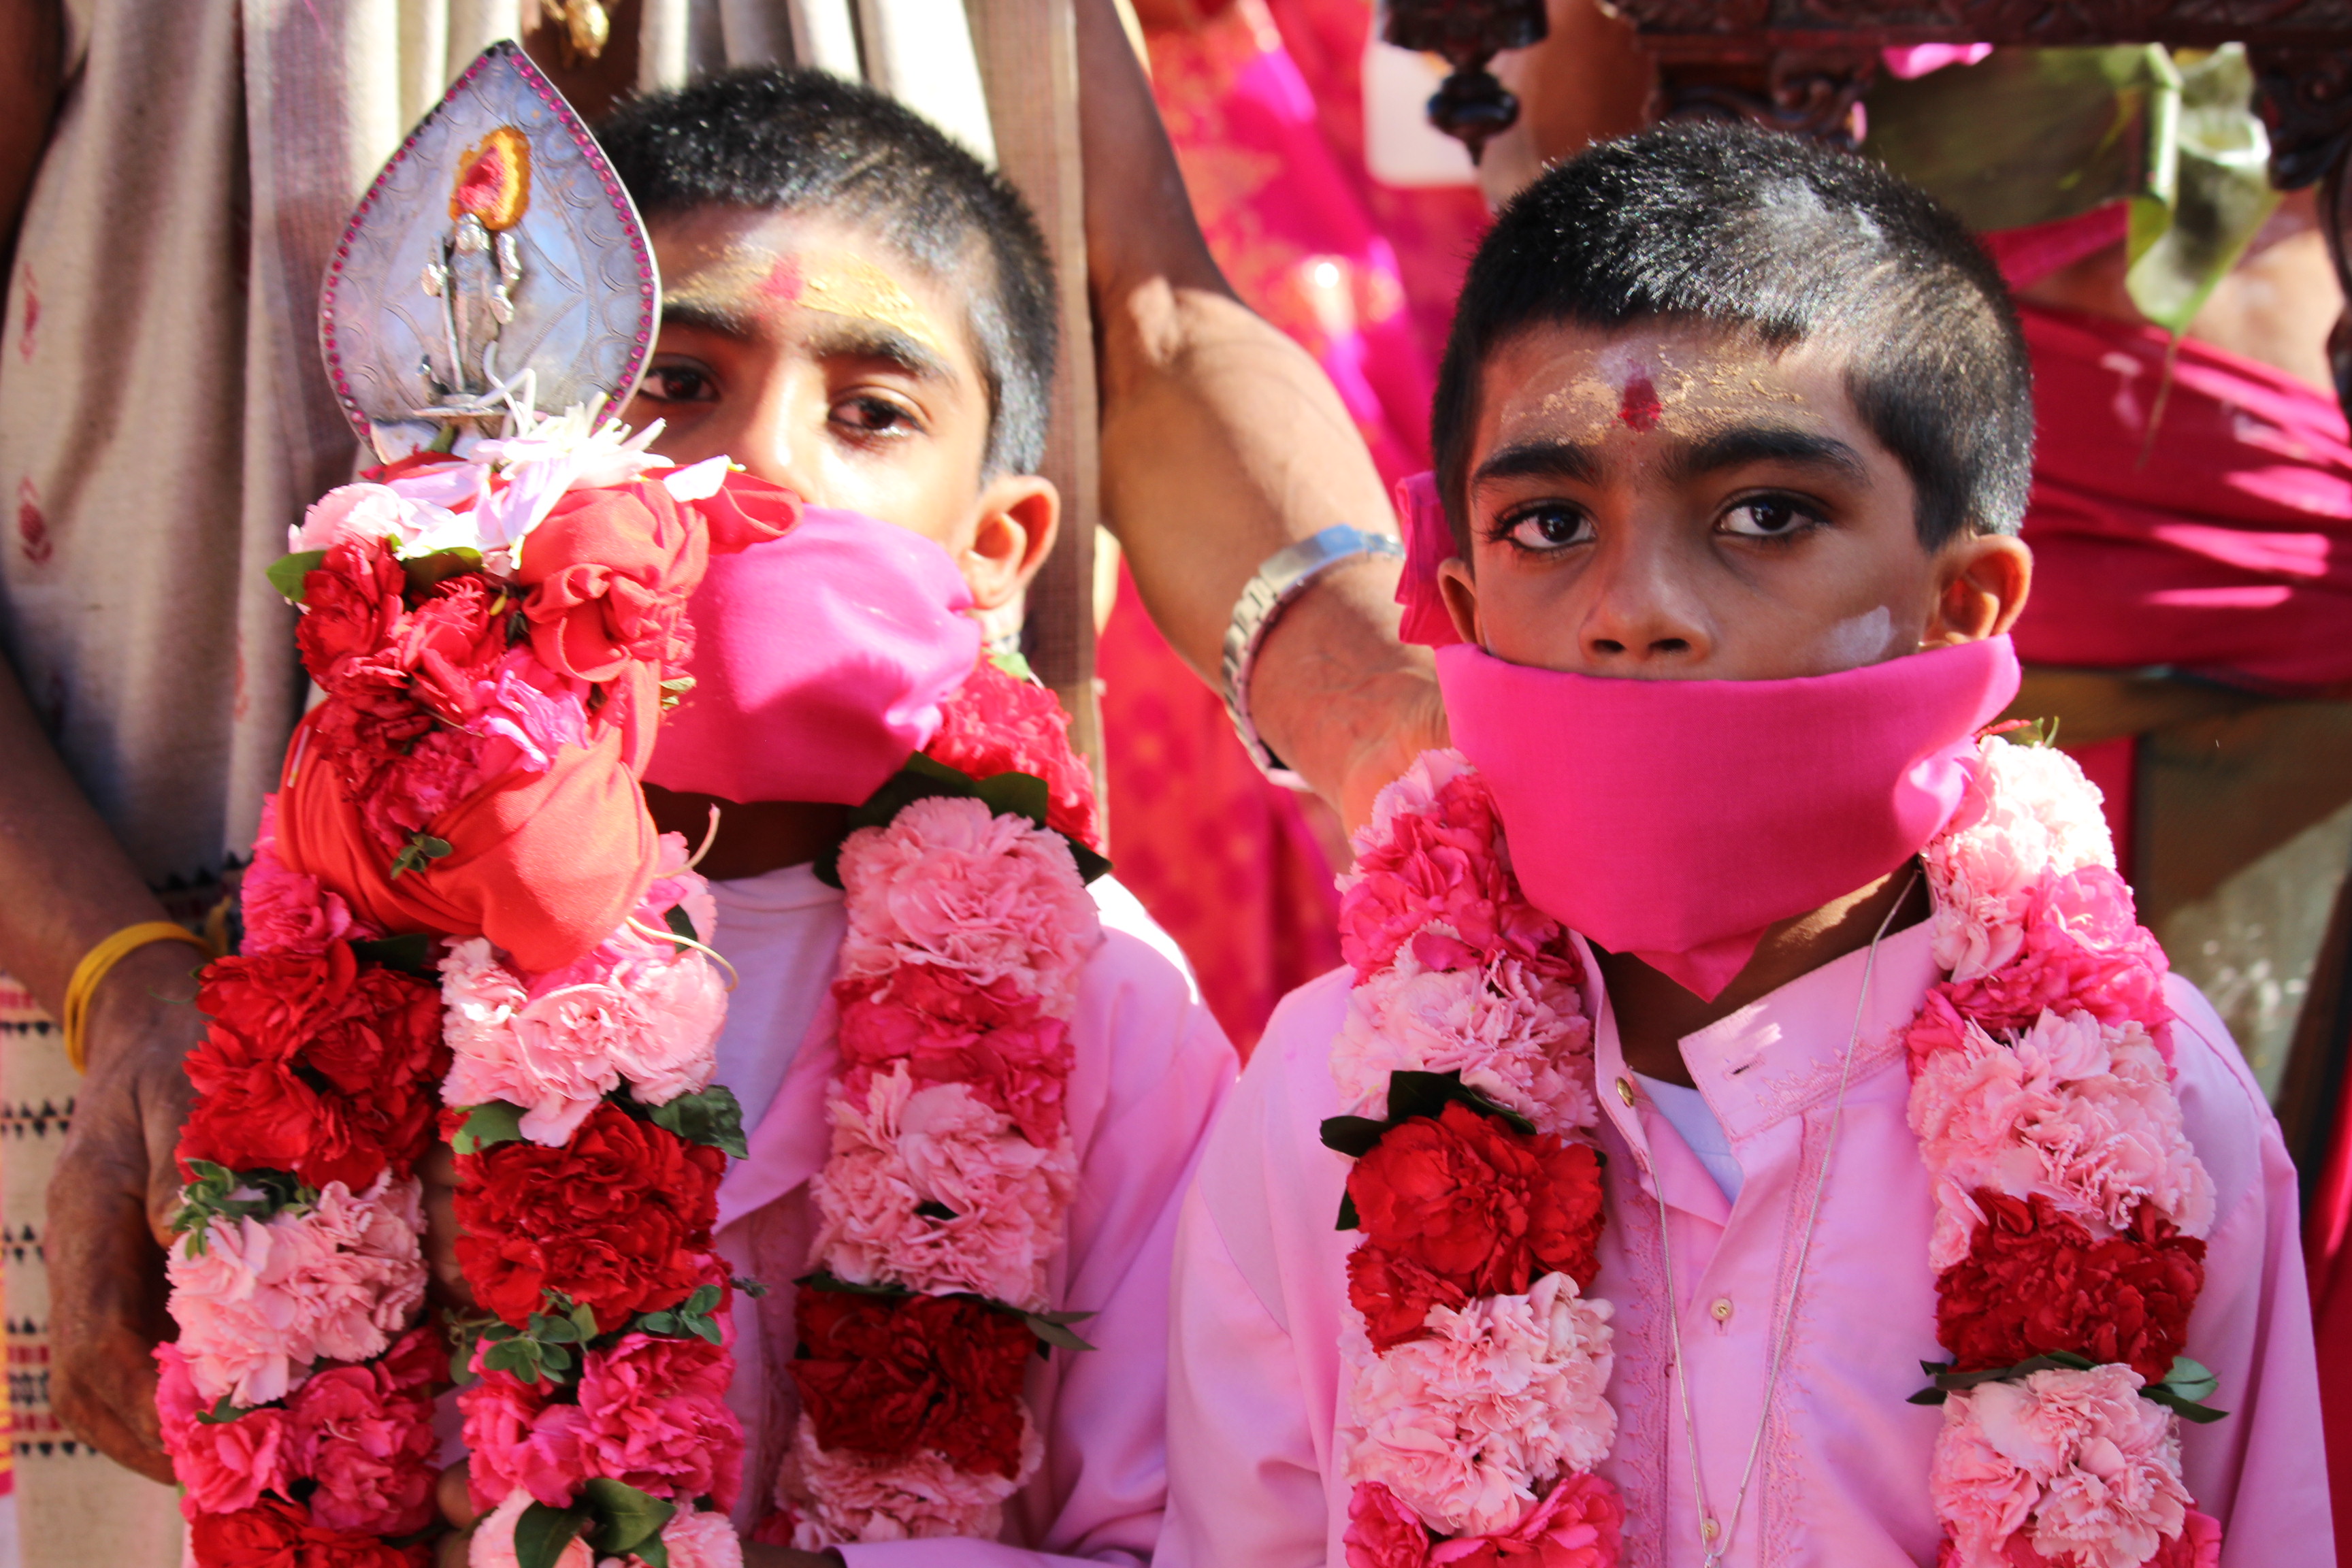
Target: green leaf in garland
x: 1349, y: 1218
x: 1016, y: 795
x: 424, y: 571
x: 492, y: 1122
x: 1354, y: 1136
x: 821, y: 1280
x: 1092, y: 867
x: 543, y: 1532
x: 421, y: 850
x: 712, y: 1117
x: 1054, y: 1329
x: 1014, y: 663
x: 674, y: 690
x: 2184, y: 1390
x: 286, y: 572
x: 681, y: 925
x: 219, y: 1193
x: 411, y: 955
x: 627, y: 1521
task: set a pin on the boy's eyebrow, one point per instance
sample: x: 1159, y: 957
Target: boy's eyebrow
x: 1570, y: 460
x: 1744, y: 444
x: 844, y: 337
x: 703, y: 315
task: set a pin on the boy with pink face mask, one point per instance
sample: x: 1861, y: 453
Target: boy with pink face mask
x: 973, y: 1073
x: 1757, y: 1129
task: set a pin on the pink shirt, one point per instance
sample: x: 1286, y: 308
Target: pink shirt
x: 1151, y: 1067
x: 1842, y: 1476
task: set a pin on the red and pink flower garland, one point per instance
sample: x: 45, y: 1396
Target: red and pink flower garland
x: 941, y: 1206
x: 2070, y: 1210
x: 492, y: 636
x: 1476, y: 1367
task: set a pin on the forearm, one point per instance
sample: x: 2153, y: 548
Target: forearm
x: 1222, y: 441
x: 64, y: 882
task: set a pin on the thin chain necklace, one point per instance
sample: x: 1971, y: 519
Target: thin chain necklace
x: 1715, y: 1535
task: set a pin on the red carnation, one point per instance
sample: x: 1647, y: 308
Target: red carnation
x: 617, y: 1220
x: 279, y: 1535
x: 2035, y: 1281
x: 892, y: 1376
x: 315, y: 1063
x: 999, y: 723
x: 351, y: 609
x: 449, y: 642
x: 1478, y: 1204
x: 1395, y: 1294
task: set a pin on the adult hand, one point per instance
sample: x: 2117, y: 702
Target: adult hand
x: 110, y: 1208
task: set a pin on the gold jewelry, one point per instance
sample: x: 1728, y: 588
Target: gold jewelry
x: 92, y: 972
x: 1715, y: 1535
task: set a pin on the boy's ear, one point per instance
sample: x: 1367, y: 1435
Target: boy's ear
x: 1460, y: 591
x: 1018, y: 516
x: 1982, y: 582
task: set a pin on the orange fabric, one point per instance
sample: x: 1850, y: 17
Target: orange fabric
x: 545, y: 865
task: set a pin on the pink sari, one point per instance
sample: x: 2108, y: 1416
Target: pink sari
x: 1364, y: 277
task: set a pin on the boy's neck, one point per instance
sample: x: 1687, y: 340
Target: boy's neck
x: 754, y: 836
x: 1654, y: 1013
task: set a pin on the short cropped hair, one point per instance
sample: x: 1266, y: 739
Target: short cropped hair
x: 1758, y: 231
x: 809, y: 141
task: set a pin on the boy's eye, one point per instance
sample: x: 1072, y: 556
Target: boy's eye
x: 1546, y: 528
x: 679, y: 383
x: 872, y: 416
x: 1769, y: 516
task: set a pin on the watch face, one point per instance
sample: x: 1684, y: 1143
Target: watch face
x: 495, y: 260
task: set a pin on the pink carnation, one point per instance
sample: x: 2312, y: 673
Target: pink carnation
x: 289, y: 911
x: 363, y: 513
x: 1581, y: 1524
x: 651, y: 1411
x: 2077, y: 1462
x: 364, y: 1434
x: 1383, y: 1533
x: 1440, y: 865
x: 843, y: 1498
x: 901, y: 1146
x: 1516, y: 1034
x: 265, y: 1299
x: 2079, y: 1113
x: 2082, y: 950
x: 678, y: 886
x: 2029, y: 810
x: 529, y: 705
x: 493, y: 1541
x: 652, y: 1015
x: 440, y: 768
x: 1506, y: 1393
x: 949, y: 884
x: 994, y: 1041
x: 223, y: 1466
x: 697, y: 1538
x: 510, y: 1455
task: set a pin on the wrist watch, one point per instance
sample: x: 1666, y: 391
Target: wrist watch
x: 1284, y: 575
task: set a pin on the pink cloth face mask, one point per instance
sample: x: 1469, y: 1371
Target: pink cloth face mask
x: 820, y: 661
x: 1675, y: 820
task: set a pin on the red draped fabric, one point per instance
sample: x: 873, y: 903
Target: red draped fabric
x: 1364, y: 277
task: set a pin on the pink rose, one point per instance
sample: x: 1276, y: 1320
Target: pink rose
x: 900, y: 1146
x: 225, y: 1466
x: 948, y: 884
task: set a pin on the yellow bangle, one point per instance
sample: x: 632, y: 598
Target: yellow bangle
x: 92, y: 972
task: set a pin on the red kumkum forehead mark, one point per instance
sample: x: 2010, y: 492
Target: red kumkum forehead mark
x: 782, y: 283
x: 1640, y: 407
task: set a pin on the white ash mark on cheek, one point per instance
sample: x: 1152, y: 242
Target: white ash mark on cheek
x: 1857, y: 640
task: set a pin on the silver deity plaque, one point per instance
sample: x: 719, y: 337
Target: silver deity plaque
x: 495, y: 260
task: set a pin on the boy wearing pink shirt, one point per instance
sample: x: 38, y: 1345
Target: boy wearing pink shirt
x: 973, y: 1082
x: 1757, y: 1130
